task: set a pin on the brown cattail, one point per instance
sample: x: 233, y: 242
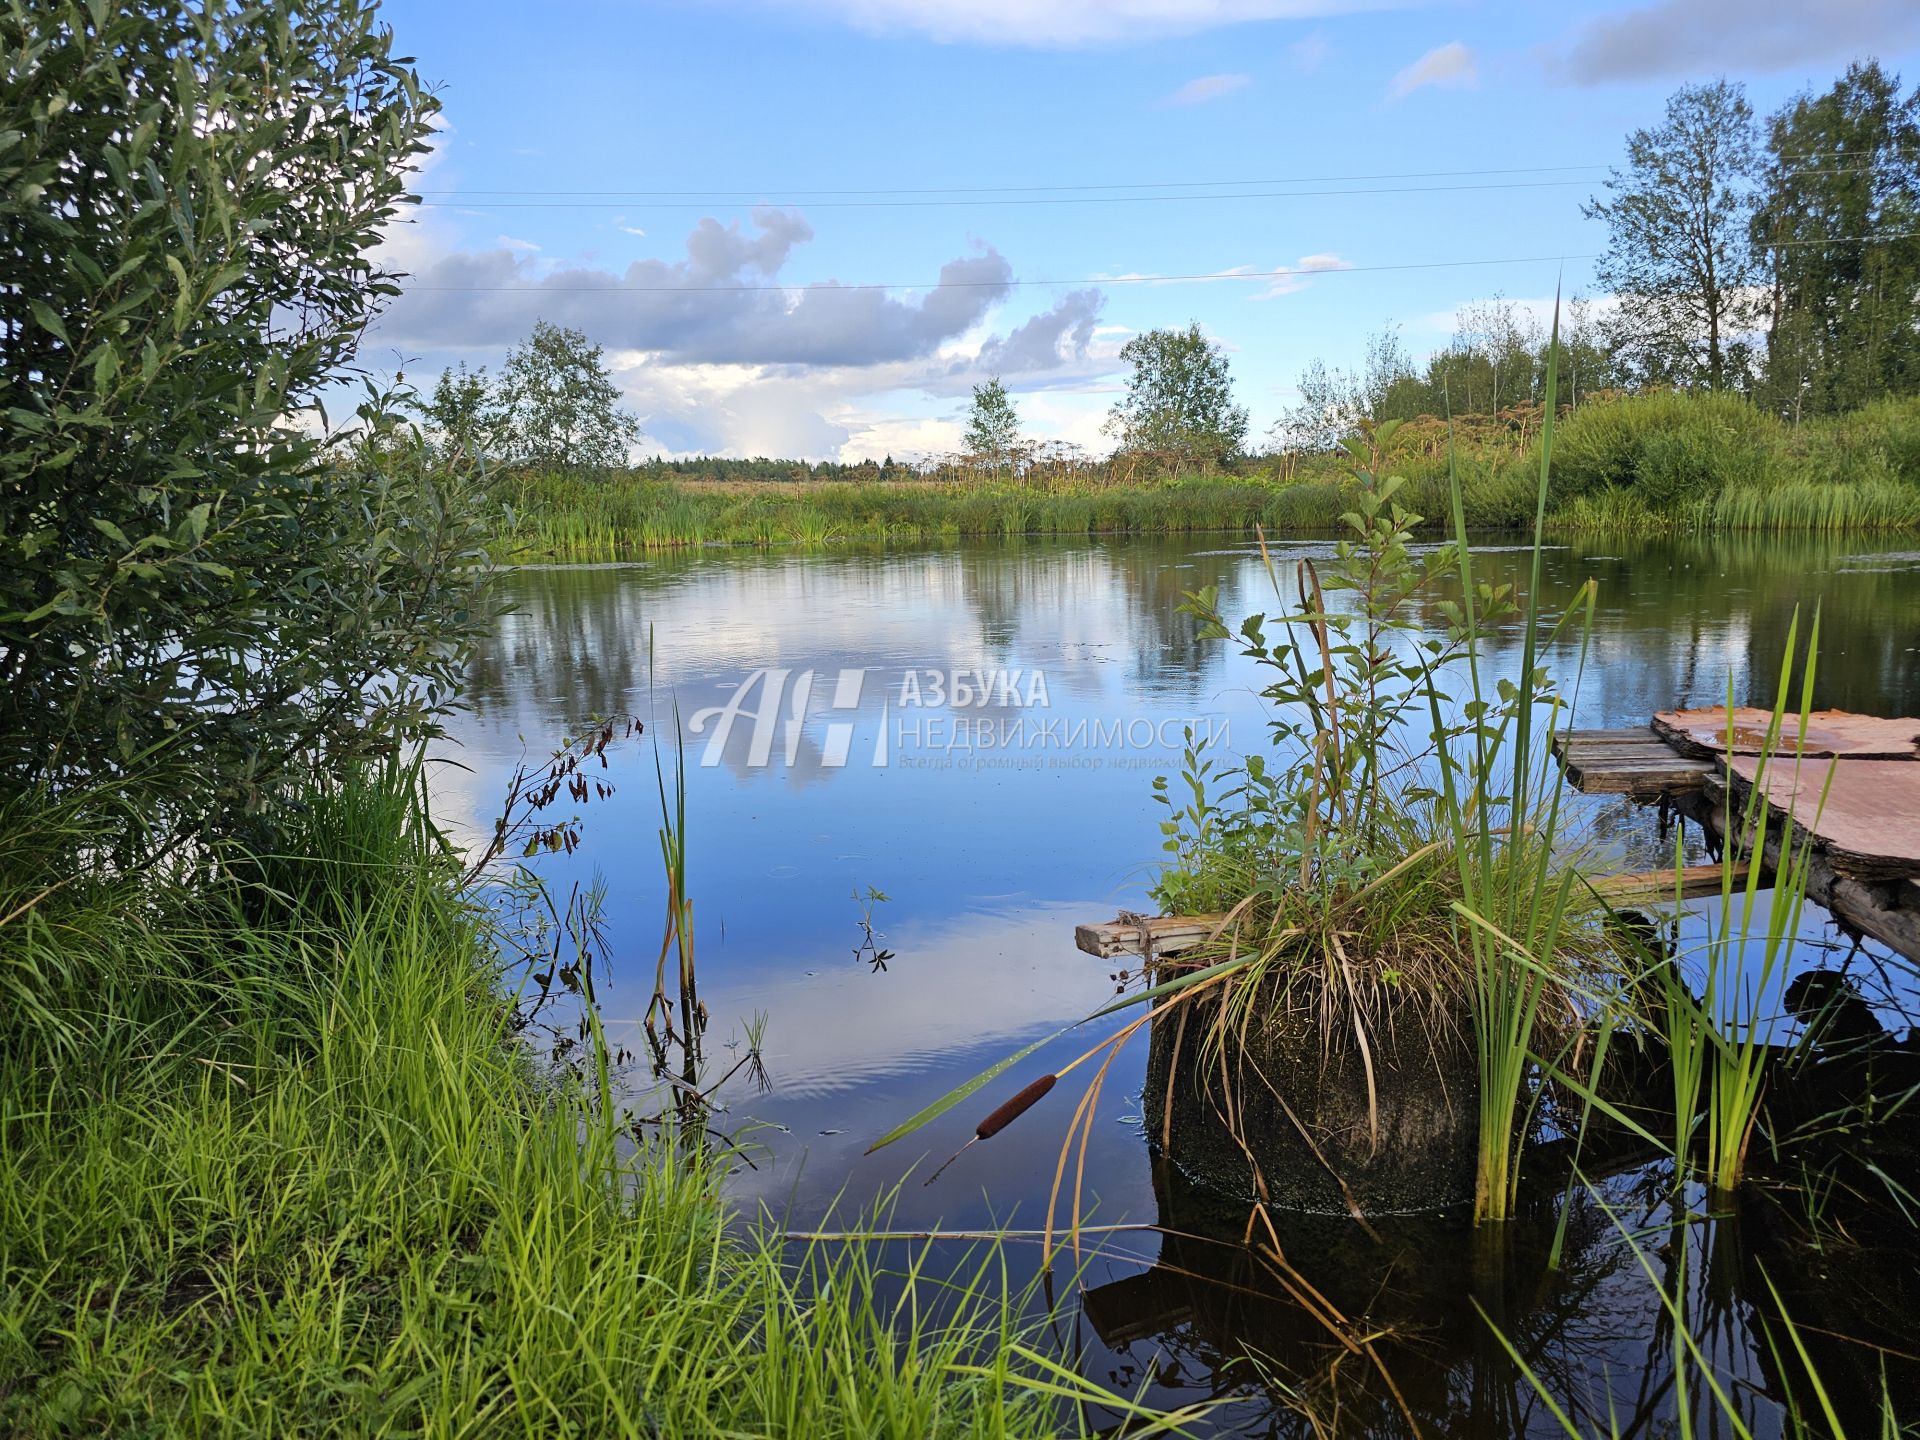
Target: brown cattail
x: 1015, y: 1108
x: 1000, y: 1119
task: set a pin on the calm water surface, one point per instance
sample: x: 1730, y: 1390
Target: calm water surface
x: 995, y: 825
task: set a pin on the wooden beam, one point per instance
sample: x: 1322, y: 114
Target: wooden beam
x: 1642, y: 779
x: 1650, y: 887
x: 1133, y: 934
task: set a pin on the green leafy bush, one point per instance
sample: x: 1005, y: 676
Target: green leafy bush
x: 194, y: 585
x: 1668, y: 448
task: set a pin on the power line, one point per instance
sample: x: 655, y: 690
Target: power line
x: 637, y: 199
x: 807, y: 193
x: 1055, y: 194
x: 1010, y: 200
x: 1026, y: 189
x: 1291, y: 272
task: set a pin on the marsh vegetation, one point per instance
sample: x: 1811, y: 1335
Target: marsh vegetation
x: 1625, y: 466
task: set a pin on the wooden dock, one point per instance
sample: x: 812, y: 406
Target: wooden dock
x: 1863, y: 820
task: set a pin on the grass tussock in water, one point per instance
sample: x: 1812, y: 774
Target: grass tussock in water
x: 271, y: 1161
x: 1400, y: 856
x: 1653, y: 463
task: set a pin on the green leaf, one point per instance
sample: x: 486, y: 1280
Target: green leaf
x: 48, y: 320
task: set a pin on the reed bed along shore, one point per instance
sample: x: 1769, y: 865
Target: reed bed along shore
x: 1648, y: 464
x: 273, y: 1161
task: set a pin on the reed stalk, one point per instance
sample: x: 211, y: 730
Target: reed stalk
x: 1502, y: 791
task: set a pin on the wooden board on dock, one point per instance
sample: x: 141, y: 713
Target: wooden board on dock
x: 1704, y: 733
x: 1134, y: 934
x: 1869, y: 826
x: 1636, y: 763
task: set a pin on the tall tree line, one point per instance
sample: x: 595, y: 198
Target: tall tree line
x: 1780, y: 258
x: 1836, y: 233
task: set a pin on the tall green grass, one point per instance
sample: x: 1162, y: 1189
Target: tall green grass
x: 271, y: 1162
x: 1501, y: 818
x: 1646, y: 464
x: 572, y: 519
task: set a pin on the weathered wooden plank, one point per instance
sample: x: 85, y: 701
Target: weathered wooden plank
x: 1133, y: 934
x: 1649, y: 760
x: 1827, y: 732
x: 1630, y: 732
x: 1863, y: 814
x: 1642, y: 780
x: 1647, y: 887
x: 1625, y: 747
x: 1625, y: 740
x: 1636, y: 763
x: 1566, y: 741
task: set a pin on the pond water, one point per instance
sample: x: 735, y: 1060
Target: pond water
x: 972, y: 732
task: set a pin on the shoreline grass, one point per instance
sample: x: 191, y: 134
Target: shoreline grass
x: 1662, y: 464
x: 276, y: 1165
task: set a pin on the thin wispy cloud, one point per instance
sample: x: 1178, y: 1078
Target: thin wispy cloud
x: 1201, y: 89
x: 1685, y: 37
x: 1282, y: 279
x: 1310, y: 53
x: 1451, y: 66
x: 518, y: 247
x: 1305, y: 266
x: 1061, y: 23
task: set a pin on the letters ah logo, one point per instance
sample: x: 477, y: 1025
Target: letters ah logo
x: 775, y: 701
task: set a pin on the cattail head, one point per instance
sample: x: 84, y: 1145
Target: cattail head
x: 1016, y: 1107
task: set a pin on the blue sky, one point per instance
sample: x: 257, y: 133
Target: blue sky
x: 699, y: 187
